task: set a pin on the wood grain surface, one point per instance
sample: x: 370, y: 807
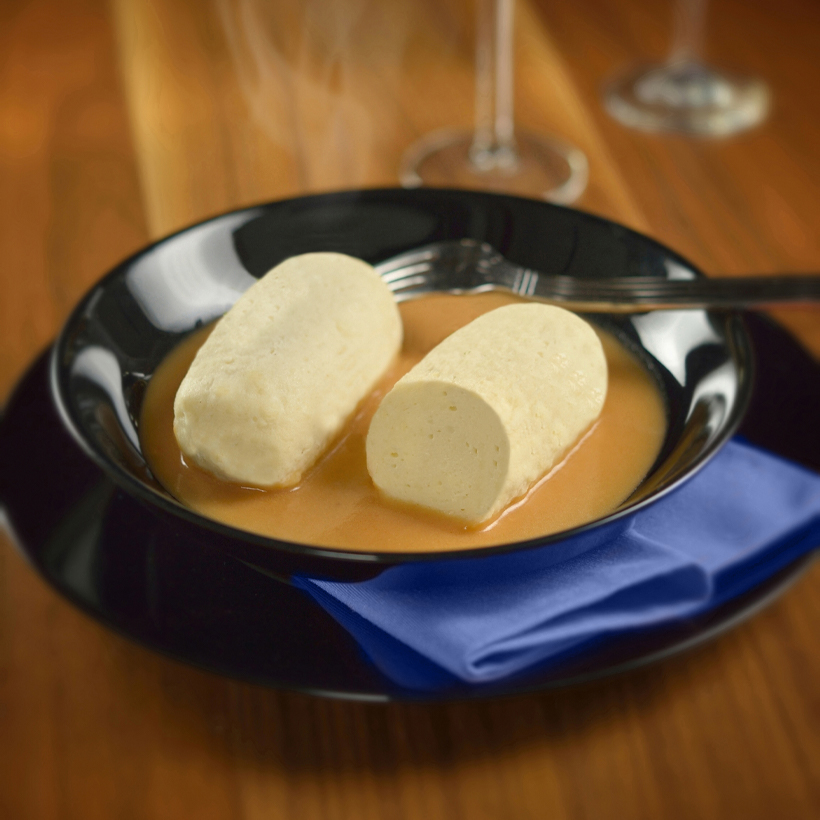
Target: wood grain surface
x: 122, y: 122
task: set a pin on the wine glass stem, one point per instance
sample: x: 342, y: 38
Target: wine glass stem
x: 494, y: 140
x: 687, y: 38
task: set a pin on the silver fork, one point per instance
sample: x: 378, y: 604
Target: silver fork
x: 469, y: 266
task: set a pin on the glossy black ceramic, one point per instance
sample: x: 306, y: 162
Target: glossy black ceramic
x: 183, y: 595
x: 89, y: 515
x: 124, y: 327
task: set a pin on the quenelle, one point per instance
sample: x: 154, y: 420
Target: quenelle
x: 488, y: 411
x: 285, y: 368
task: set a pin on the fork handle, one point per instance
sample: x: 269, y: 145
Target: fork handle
x: 627, y: 294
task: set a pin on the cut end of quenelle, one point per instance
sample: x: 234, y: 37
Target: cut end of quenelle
x: 488, y: 412
x: 439, y: 446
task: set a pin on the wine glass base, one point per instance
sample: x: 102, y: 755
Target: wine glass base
x: 687, y: 98
x: 540, y: 167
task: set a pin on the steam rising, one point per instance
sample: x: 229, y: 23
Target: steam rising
x: 322, y: 77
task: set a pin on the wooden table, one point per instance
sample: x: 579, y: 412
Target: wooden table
x: 120, y: 123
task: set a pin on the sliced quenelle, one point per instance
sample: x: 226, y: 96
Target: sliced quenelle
x: 488, y: 411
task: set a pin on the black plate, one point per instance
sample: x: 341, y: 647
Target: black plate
x: 175, y: 588
x: 140, y: 575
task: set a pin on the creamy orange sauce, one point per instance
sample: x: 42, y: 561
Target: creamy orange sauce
x: 336, y: 505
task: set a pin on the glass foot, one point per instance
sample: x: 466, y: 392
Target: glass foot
x: 687, y: 98
x: 540, y: 167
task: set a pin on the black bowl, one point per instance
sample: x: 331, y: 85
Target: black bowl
x: 124, y: 327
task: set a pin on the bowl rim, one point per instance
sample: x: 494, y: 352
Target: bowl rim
x: 739, y: 340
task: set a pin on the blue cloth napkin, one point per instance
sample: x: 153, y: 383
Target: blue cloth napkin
x: 744, y: 516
